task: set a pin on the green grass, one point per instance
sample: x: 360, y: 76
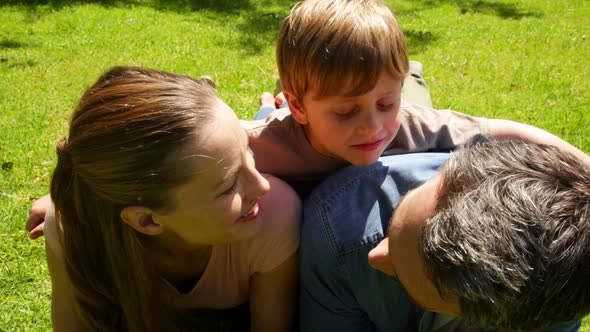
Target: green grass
x: 522, y: 60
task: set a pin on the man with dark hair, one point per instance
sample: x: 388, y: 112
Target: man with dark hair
x: 500, y: 236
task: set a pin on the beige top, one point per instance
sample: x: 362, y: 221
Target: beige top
x: 225, y: 283
x: 281, y: 148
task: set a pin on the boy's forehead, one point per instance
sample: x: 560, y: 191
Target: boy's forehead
x: 350, y: 87
x: 346, y: 87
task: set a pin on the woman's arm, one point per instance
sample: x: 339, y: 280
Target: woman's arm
x: 273, y: 285
x: 63, y: 312
x: 273, y: 297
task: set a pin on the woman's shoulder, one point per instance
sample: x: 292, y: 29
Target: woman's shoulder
x: 281, y: 203
x: 280, y: 218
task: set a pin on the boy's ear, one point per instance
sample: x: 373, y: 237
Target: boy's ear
x: 141, y: 219
x: 296, y: 108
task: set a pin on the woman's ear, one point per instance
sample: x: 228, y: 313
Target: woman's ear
x: 296, y: 108
x: 141, y: 219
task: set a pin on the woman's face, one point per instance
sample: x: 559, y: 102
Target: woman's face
x: 220, y: 203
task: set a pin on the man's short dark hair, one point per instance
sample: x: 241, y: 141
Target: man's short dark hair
x: 511, y: 235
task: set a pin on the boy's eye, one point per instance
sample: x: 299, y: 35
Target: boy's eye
x: 386, y: 107
x: 345, y: 113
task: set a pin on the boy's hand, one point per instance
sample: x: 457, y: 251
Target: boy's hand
x: 506, y: 129
x: 37, y: 216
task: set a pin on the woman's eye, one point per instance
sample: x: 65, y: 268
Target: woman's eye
x: 232, y: 188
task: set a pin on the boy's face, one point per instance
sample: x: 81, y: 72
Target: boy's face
x: 356, y: 129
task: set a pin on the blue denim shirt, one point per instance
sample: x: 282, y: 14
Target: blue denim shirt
x: 344, y: 218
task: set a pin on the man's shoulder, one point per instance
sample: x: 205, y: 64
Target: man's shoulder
x: 332, y: 213
x: 344, y: 218
x: 348, y: 181
x: 351, y: 209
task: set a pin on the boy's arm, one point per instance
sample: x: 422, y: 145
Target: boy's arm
x: 506, y: 129
x: 426, y: 129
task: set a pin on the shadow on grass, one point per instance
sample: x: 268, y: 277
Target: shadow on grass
x: 11, y: 61
x: 502, y: 10
x: 257, y: 25
x: 11, y: 44
x: 418, y: 41
x: 21, y: 64
x: 508, y: 11
x: 228, y: 6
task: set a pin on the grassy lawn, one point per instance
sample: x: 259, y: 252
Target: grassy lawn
x: 523, y: 60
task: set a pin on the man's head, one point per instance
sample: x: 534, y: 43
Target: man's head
x: 341, y: 64
x: 501, y: 237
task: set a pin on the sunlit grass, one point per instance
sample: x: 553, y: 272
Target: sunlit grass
x: 523, y: 60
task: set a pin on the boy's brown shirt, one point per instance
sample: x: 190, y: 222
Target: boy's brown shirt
x: 281, y: 148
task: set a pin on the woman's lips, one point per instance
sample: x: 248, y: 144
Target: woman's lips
x: 252, y: 214
x: 369, y: 146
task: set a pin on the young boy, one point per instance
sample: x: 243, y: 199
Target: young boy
x: 341, y: 66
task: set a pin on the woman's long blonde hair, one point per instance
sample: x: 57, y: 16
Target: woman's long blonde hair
x: 123, y: 149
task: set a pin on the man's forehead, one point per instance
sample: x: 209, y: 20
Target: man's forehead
x: 416, y: 206
x: 398, y: 213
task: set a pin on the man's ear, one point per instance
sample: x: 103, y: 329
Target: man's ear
x: 141, y: 219
x: 296, y: 108
x: 380, y: 259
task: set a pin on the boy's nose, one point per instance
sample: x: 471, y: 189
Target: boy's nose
x: 371, y: 121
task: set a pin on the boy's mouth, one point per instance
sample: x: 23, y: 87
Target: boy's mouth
x: 369, y: 146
